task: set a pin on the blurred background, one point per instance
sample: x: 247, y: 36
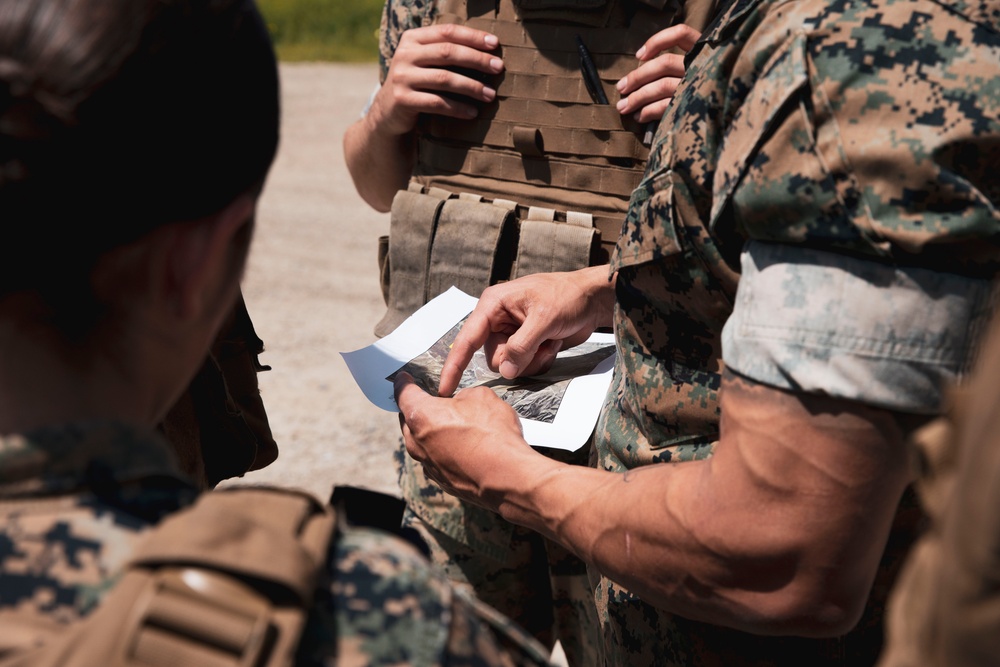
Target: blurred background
x: 312, y: 284
x: 326, y: 30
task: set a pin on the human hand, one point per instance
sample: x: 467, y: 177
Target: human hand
x: 421, y: 78
x: 524, y: 323
x: 463, y: 442
x: 647, y: 91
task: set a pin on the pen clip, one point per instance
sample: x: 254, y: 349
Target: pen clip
x: 591, y: 78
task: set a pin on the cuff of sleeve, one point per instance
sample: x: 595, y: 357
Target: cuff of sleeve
x: 820, y: 322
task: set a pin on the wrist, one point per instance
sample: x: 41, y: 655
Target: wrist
x: 599, y: 293
x: 383, y: 124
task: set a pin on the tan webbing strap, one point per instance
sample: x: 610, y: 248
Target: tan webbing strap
x: 546, y: 246
x: 515, y: 168
x: 411, y: 232
x: 438, y: 193
x: 563, y: 89
x: 560, y: 37
x: 544, y: 113
x: 548, y: 140
x: 518, y: 59
x: 609, y: 227
x: 541, y: 213
x: 208, y: 588
x: 465, y: 246
x: 588, y: 12
x: 579, y: 219
x: 229, y: 537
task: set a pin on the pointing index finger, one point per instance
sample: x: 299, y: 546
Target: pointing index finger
x: 470, y: 338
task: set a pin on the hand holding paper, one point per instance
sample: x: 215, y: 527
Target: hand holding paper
x: 522, y: 325
x: 557, y: 409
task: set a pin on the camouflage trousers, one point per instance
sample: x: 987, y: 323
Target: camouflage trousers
x: 530, y: 579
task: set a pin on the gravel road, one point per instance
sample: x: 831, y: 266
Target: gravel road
x: 312, y: 290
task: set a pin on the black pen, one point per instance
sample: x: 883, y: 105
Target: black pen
x: 590, y: 76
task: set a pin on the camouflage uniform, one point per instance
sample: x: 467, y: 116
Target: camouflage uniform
x: 76, y: 502
x: 841, y: 156
x: 533, y: 580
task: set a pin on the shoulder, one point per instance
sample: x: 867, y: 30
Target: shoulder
x: 60, y: 556
x: 398, y: 16
x: 384, y: 603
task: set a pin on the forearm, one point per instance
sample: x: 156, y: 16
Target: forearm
x: 642, y: 536
x: 780, y: 532
x: 380, y: 162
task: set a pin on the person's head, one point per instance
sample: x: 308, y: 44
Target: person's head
x: 134, y: 138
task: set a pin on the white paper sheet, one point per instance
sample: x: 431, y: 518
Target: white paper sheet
x: 576, y: 402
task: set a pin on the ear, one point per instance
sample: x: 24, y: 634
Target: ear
x: 204, y: 260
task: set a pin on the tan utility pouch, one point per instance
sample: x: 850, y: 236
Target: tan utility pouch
x: 225, y: 583
x: 546, y: 246
x: 436, y: 241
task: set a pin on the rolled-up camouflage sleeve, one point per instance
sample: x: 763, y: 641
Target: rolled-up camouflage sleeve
x: 397, y: 17
x: 862, y: 166
x: 822, y: 322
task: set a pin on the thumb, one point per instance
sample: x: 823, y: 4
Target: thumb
x: 408, y: 393
x: 521, y: 348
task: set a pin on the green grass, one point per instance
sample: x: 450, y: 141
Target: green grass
x: 343, y: 30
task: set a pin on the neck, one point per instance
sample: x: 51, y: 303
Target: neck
x: 46, y: 380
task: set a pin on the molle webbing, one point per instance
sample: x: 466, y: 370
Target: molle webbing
x: 470, y: 241
x: 504, y: 134
x: 543, y: 127
x: 563, y: 174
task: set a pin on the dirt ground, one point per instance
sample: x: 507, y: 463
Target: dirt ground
x: 312, y: 290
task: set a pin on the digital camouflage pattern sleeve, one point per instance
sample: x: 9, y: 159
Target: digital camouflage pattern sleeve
x: 385, y: 605
x: 397, y: 17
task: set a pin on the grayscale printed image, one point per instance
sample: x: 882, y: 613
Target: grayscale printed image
x: 537, y: 397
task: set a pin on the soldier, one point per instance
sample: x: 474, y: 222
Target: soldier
x: 134, y: 141
x: 520, y: 158
x: 835, y: 161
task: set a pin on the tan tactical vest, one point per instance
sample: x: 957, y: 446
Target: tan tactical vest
x: 541, y: 179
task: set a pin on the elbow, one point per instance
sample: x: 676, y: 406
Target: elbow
x: 820, y: 611
x: 379, y: 203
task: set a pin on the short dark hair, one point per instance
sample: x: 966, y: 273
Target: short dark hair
x: 117, y: 116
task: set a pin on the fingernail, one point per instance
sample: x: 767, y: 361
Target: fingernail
x: 508, y: 370
x: 469, y: 112
x: 636, y: 115
x: 489, y: 93
x: 620, y: 86
x: 491, y: 41
x: 496, y: 64
x: 641, y: 52
x: 622, y: 103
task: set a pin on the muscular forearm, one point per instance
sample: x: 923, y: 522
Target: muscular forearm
x: 380, y: 162
x: 779, y: 533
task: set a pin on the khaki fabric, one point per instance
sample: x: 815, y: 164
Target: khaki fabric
x: 227, y: 582
x: 945, y: 610
x: 412, y: 229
